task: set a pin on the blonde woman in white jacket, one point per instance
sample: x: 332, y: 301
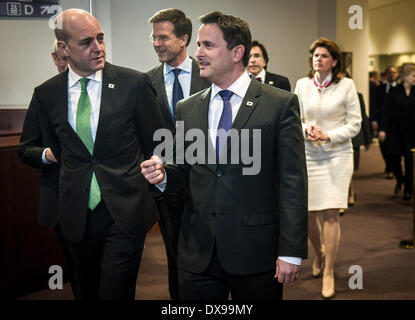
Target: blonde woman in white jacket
x: 330, y: 115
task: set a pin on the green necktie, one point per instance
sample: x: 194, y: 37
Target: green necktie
x: 83, y: 129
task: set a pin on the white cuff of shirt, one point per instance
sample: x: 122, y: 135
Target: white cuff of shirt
x: 292, y: 260
x: 162, y: 185
x: 44, y: 160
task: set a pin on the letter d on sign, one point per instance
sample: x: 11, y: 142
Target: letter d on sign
x: 356, y: 280
x: 356, y: 20
x: 56, y: 281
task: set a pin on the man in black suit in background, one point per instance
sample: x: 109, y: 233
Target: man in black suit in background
x: 98, y: 121
x: 381, y: 93
x: 257, y: 67
x: 242, y: 232
x: 172, y: 32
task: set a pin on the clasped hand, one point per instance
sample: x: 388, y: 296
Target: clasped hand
x: 316, y: 134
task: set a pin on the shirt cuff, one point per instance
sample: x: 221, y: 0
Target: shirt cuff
x: 162, y: 185
x: 292, y: 260
x: 44, y: 160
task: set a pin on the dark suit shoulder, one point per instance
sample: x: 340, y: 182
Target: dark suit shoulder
x: 152, y: 72
x: 122, y: 71
x: 276, y: 76
x: 52, y: 81
x: 276, y: 92
x: 278, y: 81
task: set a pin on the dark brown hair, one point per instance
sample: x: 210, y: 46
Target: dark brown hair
x: 182, y: 24
x: 263, y: 50
x: 235, y: 31
x: 336, y: 54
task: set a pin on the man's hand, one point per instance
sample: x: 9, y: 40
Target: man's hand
x: 153, y: 170
x: 49, y: 156
x: 286, y: 272
x: 375, y: 126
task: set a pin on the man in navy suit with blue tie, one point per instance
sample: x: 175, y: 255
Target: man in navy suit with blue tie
x: 241, y: 233
x: 177, y: 77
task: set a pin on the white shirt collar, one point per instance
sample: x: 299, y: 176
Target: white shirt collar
x: 73, y: 78
x: 239, y: 87
x: 185, y: 66
x: 261, y: 75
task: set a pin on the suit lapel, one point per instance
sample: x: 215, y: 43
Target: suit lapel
x: 204, y: 126
x: 108, y: 99
x: 62, y: 107
x: 248, y: 106
x: 62, y: 99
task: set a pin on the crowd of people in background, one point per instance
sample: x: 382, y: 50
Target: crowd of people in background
x: 392, y: 111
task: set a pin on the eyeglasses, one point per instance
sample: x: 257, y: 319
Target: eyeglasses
x: 162, y: 38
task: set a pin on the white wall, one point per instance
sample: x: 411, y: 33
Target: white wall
x: 286, y: 28
x: 392, y: 28
x: 25, y: 59
x: 355, y: 41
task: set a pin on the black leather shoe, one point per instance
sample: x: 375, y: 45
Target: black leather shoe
x: 406, y: 196
x: 398, y: 188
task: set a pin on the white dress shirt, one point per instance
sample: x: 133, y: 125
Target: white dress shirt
x: 239, y: 89
x: 94, y: 89
x: 185, y: 78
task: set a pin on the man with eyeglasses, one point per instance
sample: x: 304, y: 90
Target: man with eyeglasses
x: 176, y: 78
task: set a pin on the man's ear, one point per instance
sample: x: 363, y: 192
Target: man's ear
x: 183, y: 40
x: 62, y: 48
x: 238, y: 53
x: 55, y: 58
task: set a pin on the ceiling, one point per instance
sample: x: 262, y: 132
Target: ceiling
x: 373, y: 4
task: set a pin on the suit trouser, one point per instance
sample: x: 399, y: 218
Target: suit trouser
x: 106, y: 261
x: 73, y: 278
x: 386, y: 157
x: 216, y: 284
x: 170, y: 211
x: 407, y: 180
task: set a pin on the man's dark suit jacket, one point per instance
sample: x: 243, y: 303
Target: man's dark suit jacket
x: 37, y: 135
x: 364, y: 137
x: 128, y: 117
x: 277, y: 81
x: 157, y: 78
x: 251, y: 219
x: 380, y: 99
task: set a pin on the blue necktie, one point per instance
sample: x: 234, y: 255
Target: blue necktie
x: 225, y: 121
x: 177, y: 90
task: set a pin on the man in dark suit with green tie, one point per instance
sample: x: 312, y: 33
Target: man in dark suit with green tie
x: 177, y: 77
x: 242, y: 232
x: 99, y: 120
